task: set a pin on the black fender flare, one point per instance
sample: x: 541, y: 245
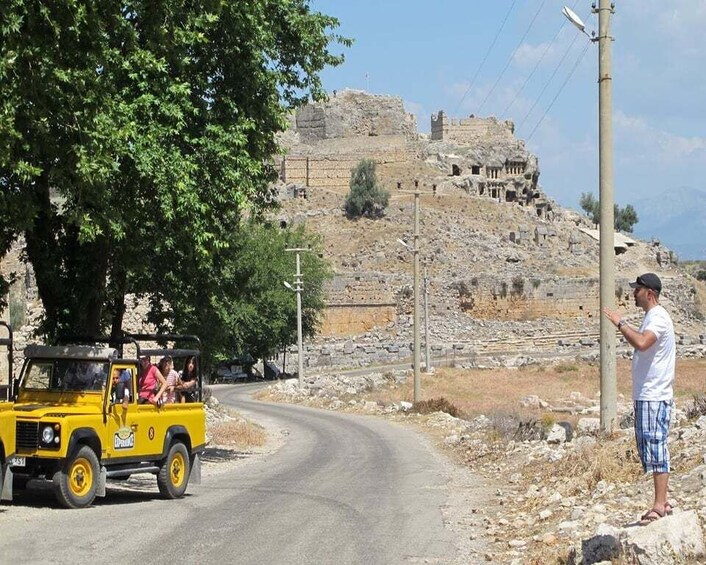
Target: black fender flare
x: 82, y: 436
x: 176, y: 432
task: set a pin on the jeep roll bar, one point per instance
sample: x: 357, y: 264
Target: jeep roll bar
x: 6, y: 391
x: 136, y: 339
x: 174, y: 352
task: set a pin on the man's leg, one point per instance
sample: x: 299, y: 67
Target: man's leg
x: 661, y: 481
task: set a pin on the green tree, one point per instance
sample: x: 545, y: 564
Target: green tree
x: 624, y: 219
x: 242, y: 305
x: 366, y: 196
x: 135, y: 135
x: 591, y: 206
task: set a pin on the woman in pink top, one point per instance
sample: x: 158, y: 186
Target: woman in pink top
x: 166, y: 367
x: 152, y: 383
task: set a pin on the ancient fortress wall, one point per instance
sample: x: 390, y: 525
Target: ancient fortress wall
x: 334, y: 171
x: 357, y: 304
x: 360, y: 303
x: 521, y: 298
x: 351, y: 114
x: 471, y: 130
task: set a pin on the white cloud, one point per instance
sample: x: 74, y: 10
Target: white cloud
x: 649, y: 143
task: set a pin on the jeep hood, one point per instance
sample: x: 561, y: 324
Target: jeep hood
x: 39, y: 410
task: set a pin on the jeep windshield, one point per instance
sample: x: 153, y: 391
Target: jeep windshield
x: 65, y: 375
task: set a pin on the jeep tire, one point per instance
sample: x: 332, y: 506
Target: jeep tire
x: 173, y: 476
x: 75, y: 483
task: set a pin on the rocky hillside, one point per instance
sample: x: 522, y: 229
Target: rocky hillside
x: 466, y: 239
x: 504, y: 261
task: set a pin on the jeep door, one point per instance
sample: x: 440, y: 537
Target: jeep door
x: 122, y: 422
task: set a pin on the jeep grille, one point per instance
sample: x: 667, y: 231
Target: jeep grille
x: 27, y: 435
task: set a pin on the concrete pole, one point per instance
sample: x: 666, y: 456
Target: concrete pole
x: 299, y: 287
x: 607, y: 226
x: 427, y: 354
x: 417, y: 340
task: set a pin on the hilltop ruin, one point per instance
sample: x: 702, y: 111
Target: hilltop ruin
x: 508, y: 269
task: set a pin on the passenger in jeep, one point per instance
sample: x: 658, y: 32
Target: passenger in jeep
x: 122, y: 387
x: 152, y: 383
x: 189, y: 380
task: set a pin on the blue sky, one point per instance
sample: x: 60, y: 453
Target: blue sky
x: 428, y: 53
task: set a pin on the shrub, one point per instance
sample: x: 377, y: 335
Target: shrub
x: 366, y: 196
x: 697, y: 407
x: 436, y: 405
x: 518, y: 285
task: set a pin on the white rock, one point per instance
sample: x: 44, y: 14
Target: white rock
x: 557, y: 434
x: 588, y: 426
x: 673, y: 539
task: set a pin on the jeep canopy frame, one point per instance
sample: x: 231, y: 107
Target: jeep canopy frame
x: 6, y: 390
x: 138, y: 341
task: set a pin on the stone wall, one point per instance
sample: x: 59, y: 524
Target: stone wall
x: 471, y: 130
x: 333, y: 171
x: 352, y: 113
x: 358, y: 303
x: 521, y: 298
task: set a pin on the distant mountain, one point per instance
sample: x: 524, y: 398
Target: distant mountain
x: 677, y: 219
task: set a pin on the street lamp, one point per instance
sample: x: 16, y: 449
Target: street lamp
x: 298, y: 288
x: 607, y: 228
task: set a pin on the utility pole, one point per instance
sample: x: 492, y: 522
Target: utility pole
x: 607, y: 226
x: 427, y: 355
x: 609, y: 392
x: 417, y: 340
x: 298, y: 288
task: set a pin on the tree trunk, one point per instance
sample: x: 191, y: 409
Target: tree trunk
x: 44, y: 253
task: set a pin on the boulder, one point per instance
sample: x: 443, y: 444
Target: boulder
x: 673, y: 539
x: 557, y: 434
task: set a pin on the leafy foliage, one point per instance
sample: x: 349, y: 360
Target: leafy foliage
x: 366, y: 196
x: 134, y: 137
x: 624, y: 219
x: 242, y: 305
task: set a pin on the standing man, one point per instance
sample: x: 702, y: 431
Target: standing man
x: 652, y: 385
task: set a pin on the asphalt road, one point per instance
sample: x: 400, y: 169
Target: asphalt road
x: 340, y: 489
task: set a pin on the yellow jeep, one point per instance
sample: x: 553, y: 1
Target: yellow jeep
x: 7, y: 419
x: 71, y: 431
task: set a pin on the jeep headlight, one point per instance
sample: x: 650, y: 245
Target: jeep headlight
x: 50, y: 436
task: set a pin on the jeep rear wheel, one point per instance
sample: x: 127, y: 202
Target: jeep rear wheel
x: 76, y: 482
x: 173, y: 476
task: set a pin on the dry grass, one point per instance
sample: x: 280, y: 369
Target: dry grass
x: 238, y: 433
x: 615, y: 461
x: 499, y: 391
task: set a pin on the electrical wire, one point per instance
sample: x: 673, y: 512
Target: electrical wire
x: 507, y: 64
x: 485, y: 58
x: 551, y: 78
x: 578, y: 61
x: 536, y: 65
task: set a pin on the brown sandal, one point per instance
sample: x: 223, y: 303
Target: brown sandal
x: 668, y: 509
x: 650, y: 516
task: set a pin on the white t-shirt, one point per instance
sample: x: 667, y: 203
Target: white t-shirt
x: 653, y: 370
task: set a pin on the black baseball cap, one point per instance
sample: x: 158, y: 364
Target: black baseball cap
x: 648, y: 280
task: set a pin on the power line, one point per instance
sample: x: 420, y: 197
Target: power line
x: 578, y: 61
x: 536, y: 65
x: 551, y: 78
x: 507, y: 64
x: 485, y: 58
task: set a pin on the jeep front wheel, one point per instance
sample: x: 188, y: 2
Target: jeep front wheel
x: 173, y: 475
x: 76, y: 482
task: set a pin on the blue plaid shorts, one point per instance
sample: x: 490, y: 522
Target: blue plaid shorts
x: 651, y: 432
